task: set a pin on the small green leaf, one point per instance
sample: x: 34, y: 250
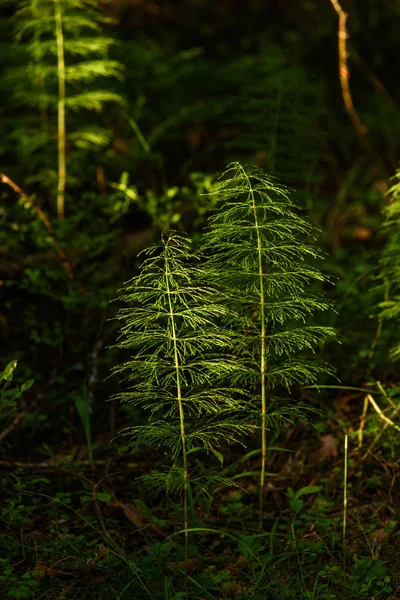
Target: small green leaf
x: 104, y: 497
x: 308, y: 489
x: 7, y: 374
x: 25, y: 386
x: 290, y: 493
x: 172, y: 192
x: 296, y: 505
x: 176, y: 217
x: 394, y: 391
x: 166, y: 547
x: 86, y: 498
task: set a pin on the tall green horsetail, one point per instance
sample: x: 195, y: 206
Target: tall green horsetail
x: 181, y: 371
x: 65, y: 75
x: 258, y: 251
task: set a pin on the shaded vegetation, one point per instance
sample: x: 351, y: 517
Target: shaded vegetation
x: 117, y: 121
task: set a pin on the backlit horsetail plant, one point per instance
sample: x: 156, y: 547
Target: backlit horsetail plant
x: 390, y: 264
x: 257, y: 248
x: 64, y: 57
x: 181, y: 369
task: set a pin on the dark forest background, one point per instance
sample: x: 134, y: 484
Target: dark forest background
x: 160, y: 95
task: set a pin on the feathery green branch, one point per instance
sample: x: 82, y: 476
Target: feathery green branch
x: 63, y: 58
x: 257, y: 249
x: 181, y: 371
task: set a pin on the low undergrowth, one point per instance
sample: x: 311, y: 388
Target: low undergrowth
x: 219, y: 487
x: 74, y: 529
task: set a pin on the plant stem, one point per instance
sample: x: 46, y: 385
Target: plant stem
x: 181, y: 415
x: 262, y: 360
x: 345, y: 507
x: 61, y: 110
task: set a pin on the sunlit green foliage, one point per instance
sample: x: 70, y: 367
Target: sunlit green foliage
x: 205, y: 83
x: 259, y: 250
x: 9, y: 396
x: 180, y: 365
x: 34, y: 74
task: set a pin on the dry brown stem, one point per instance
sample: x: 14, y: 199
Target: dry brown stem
x: 344, y: 78
x: 344, y: 73
x: 43, y: 217
x: 14, y: 425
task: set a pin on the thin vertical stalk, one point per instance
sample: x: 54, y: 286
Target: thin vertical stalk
x: 262, y: 360
x: 181, y: 414
x: 62, y: 170
x: 345, y: 506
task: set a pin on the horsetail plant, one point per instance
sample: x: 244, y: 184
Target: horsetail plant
x: 390, y: 263
x: 257, y: 248
x: 64, y: 56
x: 181, y: 370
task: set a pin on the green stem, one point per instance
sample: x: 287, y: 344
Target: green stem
x: 181, y: 414
x: 262, y: 360
x: 345, y: 507
x: 62, y: 170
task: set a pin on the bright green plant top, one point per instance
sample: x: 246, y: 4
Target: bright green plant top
x: 258, y: 249
x: 224, y: 331
x: 85, y: 46
x: 181, y: 366
x: 181, y: 370
x: 9, y: 396
x: 61, y: 74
